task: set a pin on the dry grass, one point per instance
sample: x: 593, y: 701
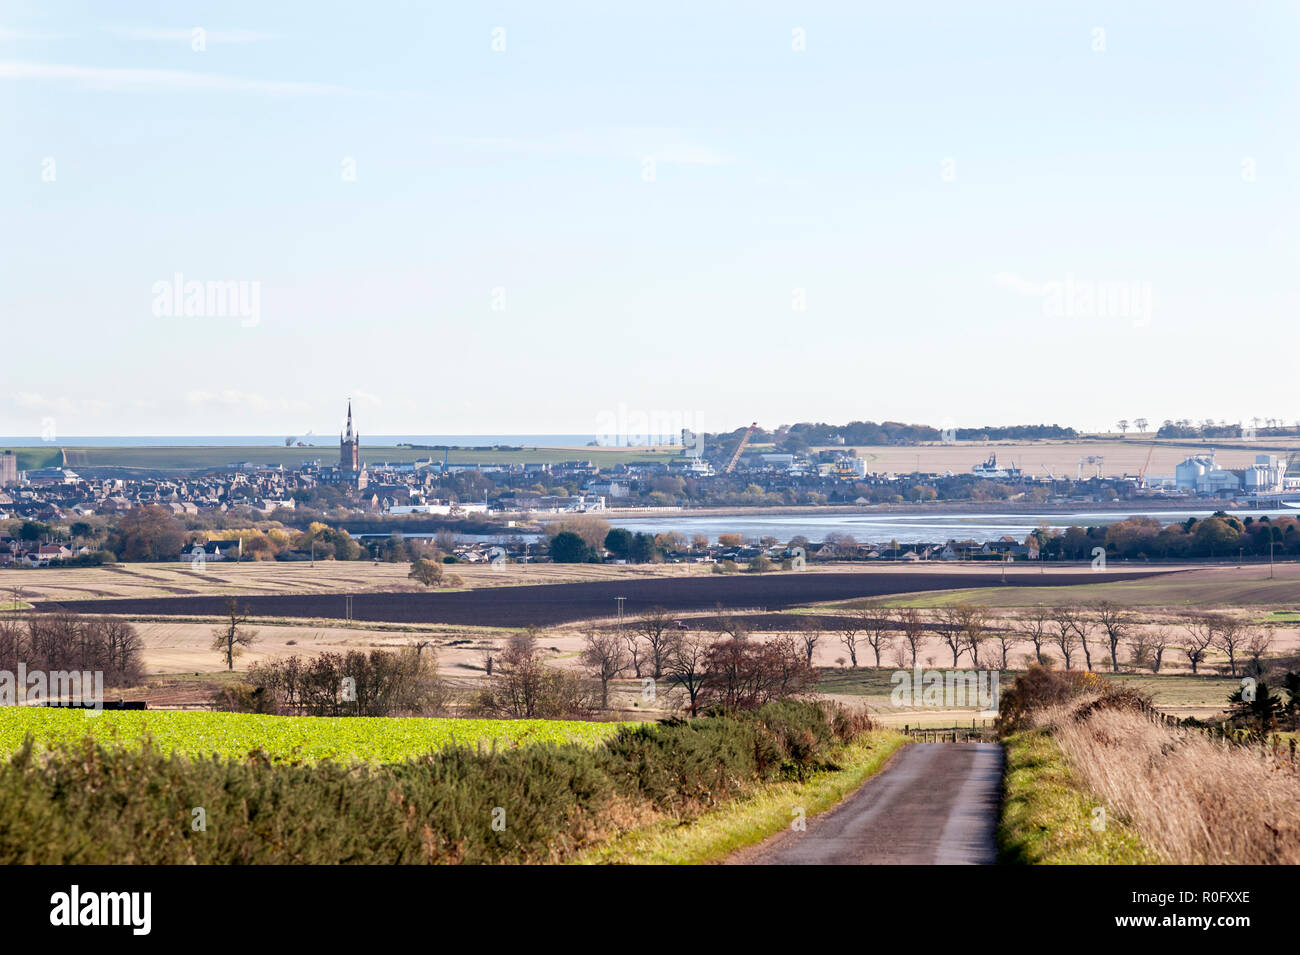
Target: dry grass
x: 1193, y: 800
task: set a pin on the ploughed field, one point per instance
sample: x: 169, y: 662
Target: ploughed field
x: 567, y: 603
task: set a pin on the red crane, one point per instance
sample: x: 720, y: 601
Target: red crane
x: 740, y: 447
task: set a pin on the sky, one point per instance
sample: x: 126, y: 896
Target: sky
x: 540, y: 218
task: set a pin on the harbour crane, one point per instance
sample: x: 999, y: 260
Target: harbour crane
x: 1142, y: 472
x: 739, y: 448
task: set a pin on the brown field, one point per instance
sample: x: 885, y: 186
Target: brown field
x: 275, y: 577
x: 1062, y: 457
x: 178, y: 579
x: 181, y: 647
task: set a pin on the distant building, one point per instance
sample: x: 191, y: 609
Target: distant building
x: 350, y: 471
x: 1202, y: 475
x: 1266, y: 474
x: 8, y: 469
x: 53, y: 476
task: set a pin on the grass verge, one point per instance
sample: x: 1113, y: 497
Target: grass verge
x: 749, y: 819
x: 1047, y: 815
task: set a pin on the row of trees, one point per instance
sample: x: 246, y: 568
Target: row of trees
x: 720, y: 667
x: 1142, y: 538
x: 1089, y: 634
x: 62, y: 641
x: 379, y: 683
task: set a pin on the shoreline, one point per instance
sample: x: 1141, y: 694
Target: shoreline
x: 934, y: 507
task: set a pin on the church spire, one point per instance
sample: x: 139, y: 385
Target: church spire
x: 349, y: 419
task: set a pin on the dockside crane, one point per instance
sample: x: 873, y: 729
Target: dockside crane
x: 739, y: 448
x: 1142, y: 472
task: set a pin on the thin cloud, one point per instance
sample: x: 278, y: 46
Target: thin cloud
x: 1020, y: 285
x: 57, y: 404
x: 186, y: 34
x: 253, y: 401
x: 158, y: 81
x: 7, y: 34
x: 668, y: 147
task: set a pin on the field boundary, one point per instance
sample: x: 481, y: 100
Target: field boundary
x: 750, y: 819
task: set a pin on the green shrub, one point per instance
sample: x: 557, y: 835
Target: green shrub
x: 96, y: 804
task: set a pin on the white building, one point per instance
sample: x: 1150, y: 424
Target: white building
x: 1266, y: 474
x: 1201, y: 474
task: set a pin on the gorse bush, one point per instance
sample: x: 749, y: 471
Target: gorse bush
x: 1041, y: 688
x: 542, y: 803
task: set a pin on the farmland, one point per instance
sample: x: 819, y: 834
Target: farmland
x: 1120, y: 456
x: 200, y: 458
x: 564, y: 603
x: 1223, y: 586
x: 286, y: 739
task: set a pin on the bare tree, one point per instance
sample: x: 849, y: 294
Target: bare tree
x: 1115, y: 621
x: 1159, y: 640
x: 656, y: 628
x: 1200, y: 633
x: 877, y: 628
x: 522, y: 686
x: 1257, y: 643
x: 605, y: 657
x: 1082, y: 625
x: 1065, y: 636
x: 811, y: 635
x: 632, y: 640
x: 1035, y: 623
x: 1230, y: 636
x: 963, y: 628
x: 913, y: 627
x: 232, y: 638
x: 1007, y: 637
x: 687, y: 664
x: 849, y: 627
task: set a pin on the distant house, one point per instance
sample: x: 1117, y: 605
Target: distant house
x: 42, y: 555
x: 211, y: 550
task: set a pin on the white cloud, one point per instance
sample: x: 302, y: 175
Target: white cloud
x: 157, y: 81
x: 38, y: 403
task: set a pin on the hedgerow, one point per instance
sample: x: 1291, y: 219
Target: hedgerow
x: 92, y: 803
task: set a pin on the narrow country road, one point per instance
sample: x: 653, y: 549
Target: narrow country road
x: 932, y: 804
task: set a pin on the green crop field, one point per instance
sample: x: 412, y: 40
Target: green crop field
x: 41, y: 457
x: 198, y: 458
x: 286, y: 739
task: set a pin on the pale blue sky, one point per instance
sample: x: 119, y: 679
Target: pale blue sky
x: 919, y: 174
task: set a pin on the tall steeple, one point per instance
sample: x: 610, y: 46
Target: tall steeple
x: 349, y: 437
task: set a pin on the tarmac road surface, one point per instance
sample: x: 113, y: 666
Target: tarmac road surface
x: 932, y: 804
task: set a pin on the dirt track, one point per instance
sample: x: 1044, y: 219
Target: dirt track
x: 933, y: 804
x: 565, y: 603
